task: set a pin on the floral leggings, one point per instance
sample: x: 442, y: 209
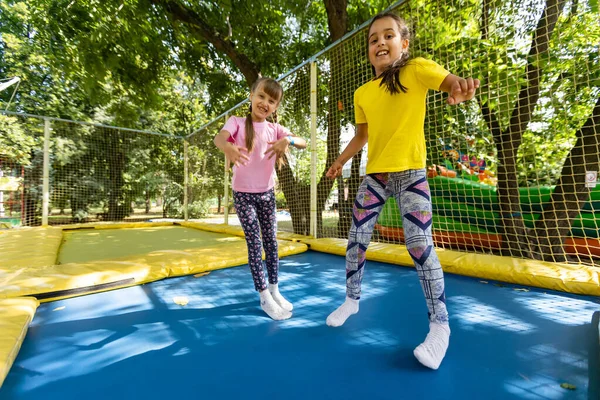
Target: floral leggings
x: 254, y: 209
x: 411, y: 191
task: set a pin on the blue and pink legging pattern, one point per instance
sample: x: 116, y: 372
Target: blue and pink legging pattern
x: 411, y: 191
x: 254, y: 210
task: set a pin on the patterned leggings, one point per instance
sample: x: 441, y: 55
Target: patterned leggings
x: 254, y: 209
x: 411, y: 191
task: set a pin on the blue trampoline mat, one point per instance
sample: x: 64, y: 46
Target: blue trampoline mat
x: 507, y: 342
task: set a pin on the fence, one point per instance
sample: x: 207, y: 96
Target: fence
x: 507, y: 171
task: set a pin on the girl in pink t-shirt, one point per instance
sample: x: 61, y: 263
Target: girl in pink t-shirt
x: 253, y: 144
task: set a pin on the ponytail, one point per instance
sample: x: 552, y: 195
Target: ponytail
x: 249, y: 130
x: 281, y: 161
x: 391, y: 76
x: 273, y: 117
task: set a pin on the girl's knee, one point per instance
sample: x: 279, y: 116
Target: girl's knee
x: 418, y: 241
x: 362, y: 237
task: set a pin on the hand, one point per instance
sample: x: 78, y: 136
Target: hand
x: 462, y: 90
x: 234, y: 154
x: 278, y: 148
x: 335, y: 170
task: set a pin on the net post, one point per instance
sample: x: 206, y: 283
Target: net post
x: 226, y: 187
x: 1, y: 194
x: 46, y: 174
x: 313, y: 149
x: 185, y: 179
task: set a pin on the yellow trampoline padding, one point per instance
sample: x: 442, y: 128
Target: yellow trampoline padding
x: 294, y: 237
x: 48, y: 283
x: 28, y: 247
x: 117, y: 225
x: 227, y: 254
x: 238, y: 231
x: 554, y: 276
x: 71, y: 279
x: 217, y: 228
x: 15, y: 316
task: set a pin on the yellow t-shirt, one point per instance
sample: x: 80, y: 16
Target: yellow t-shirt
x: 395, y: 121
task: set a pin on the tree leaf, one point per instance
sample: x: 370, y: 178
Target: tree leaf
x: 181, y: 300
x: 568, y: 386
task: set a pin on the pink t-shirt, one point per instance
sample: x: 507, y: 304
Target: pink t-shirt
x: 258, y: 175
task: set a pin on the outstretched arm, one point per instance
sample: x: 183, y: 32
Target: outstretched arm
x: 356, y: 144
x: 459, y: 89
x: 298, y: 142
x: 234, y: 153
x: 279, y: 147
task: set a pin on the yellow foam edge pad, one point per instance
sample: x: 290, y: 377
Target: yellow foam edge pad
x: 116, y: 225
x: 15, y: 316
x: 42, y: 246
x: 237, y: 230
x: 216, y: 228
x: 51, y: 282
x: 554, y: 276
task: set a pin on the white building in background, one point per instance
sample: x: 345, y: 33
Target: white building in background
x: 346, y: 135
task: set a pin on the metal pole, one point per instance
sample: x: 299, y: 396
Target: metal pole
x: 1, y: 195
x: 46, y: 174
x: 226, y: 189
x: 185, y: 179
x: 313, y: 149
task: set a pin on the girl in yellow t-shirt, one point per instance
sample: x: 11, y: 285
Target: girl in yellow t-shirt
x: 390, y: 114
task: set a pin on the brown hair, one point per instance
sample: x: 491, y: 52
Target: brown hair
x: 391, y: 76
x: 273, y: 89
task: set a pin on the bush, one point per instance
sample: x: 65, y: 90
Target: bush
x: 280, y: 200
x: 80, y: 216
x: 196, y: 210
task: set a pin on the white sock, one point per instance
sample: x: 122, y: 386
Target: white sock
x: 279, y: 299
x: 271, y: 307
x: 339, y: 316
x: 431, y: 352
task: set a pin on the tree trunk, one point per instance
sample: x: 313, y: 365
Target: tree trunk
x: 117, y: 207
x: 337, y: 20
x: 147, y: 201
x: 347, y: 204
x: 515, y: 235
x: 181, y: 13
x: 570, y: 194
x: 30, y: 211
x: 295, y: 192
x: 32, y: 191
x: 297, y: 196
x: 333, y: 143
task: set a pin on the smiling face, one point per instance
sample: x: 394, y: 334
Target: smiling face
x: 264, y: 100
x: 386, y: 43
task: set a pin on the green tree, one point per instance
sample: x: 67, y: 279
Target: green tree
x: 508, y: 136
x: 539, y: 72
